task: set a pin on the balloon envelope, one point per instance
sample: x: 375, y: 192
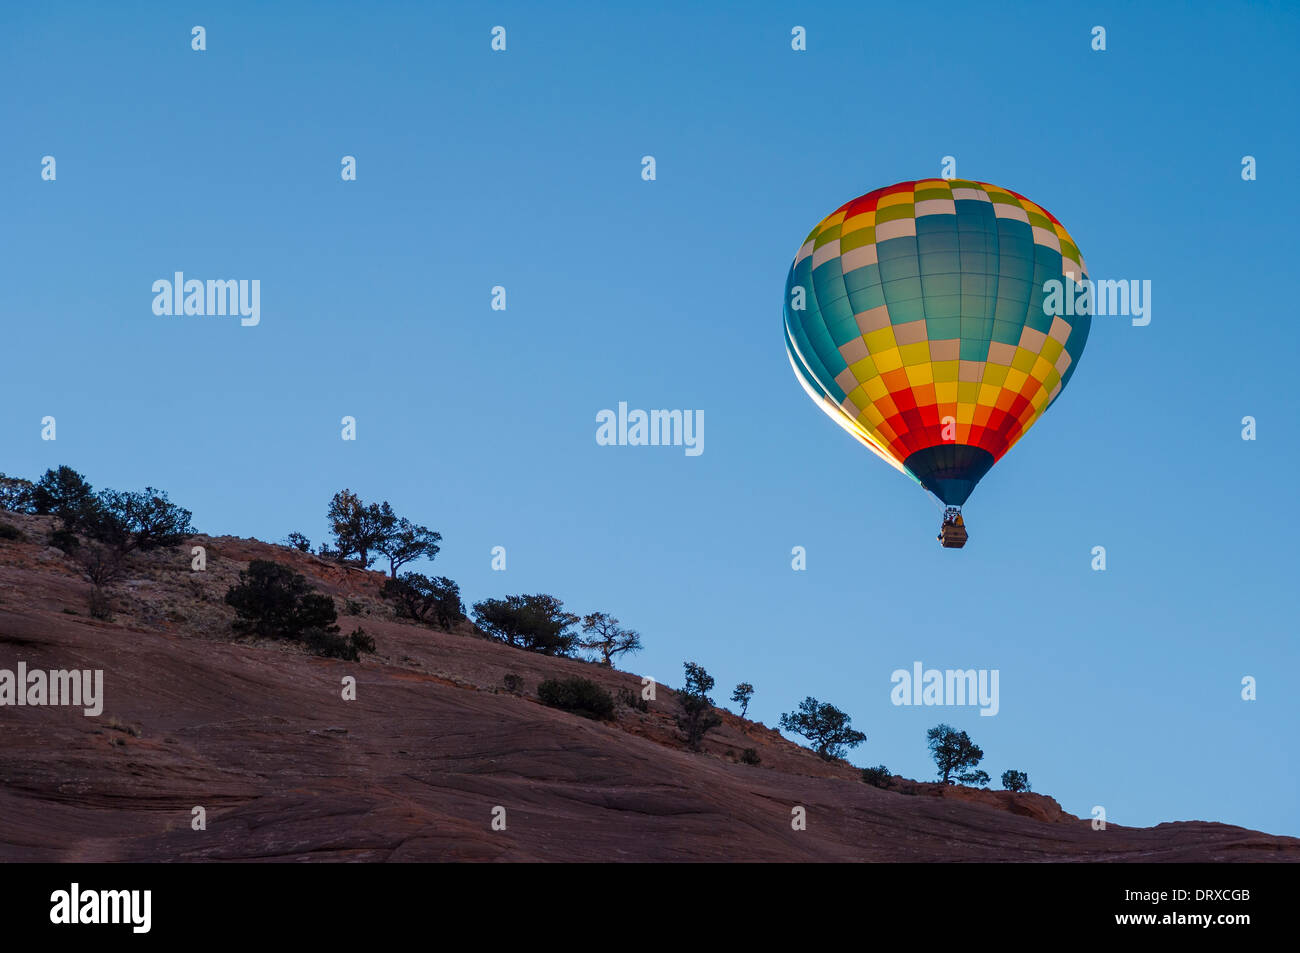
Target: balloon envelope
x: 914, y: 317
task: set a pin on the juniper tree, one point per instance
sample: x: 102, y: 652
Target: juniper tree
x: 828, y: 729
x: 403, y: 541
x: 741, y: 696
x: 607, y: 638
x: 955, y: 755
x: 426, y: 600
x: 274, y: 601
x: 362, y: 532
x: 1014, y: 780
x: 537, y: 623
x: 16, y: 494
x: 697, y: 717
x: 64, y: 494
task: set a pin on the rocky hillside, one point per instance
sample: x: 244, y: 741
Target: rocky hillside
x: 434, y: 745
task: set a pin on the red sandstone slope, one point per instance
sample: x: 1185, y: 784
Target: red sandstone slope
x: 258, y: 735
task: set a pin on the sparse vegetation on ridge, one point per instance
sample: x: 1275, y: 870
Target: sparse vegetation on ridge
x: 104, y: 534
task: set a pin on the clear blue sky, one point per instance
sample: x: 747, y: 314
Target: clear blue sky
x: 522, y: 169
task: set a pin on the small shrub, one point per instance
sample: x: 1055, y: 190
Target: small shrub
x: 877, y: 777
x: 514, y: 683
x: 11, y: 532
x: 102, y: 565
x: 328, y: 644
x: 299, y: 542
x: 273, y: 600
x: 101, y: 606
x: 353, y: 607
x: 426, y: 600
x: 632, y: 699
x: 749, y: 756
x: 65, y: 540
x: 362, y: 642
x: 580, y: 696
x: 116, y: 724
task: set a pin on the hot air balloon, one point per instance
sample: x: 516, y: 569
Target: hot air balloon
x: 914, y: 318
